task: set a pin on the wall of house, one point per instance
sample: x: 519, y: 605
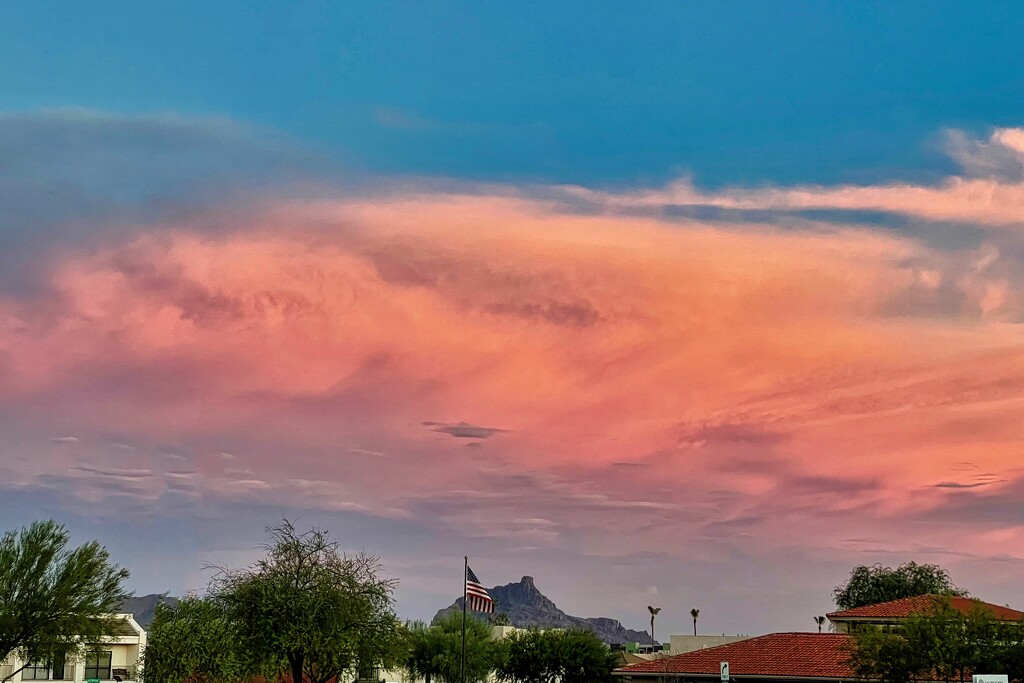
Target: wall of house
x: 681, y: 644
x: 122, y: 656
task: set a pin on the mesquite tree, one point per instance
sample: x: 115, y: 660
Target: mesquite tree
x: 308, y: 610
x: 54, y: 599
x: 874, y: 584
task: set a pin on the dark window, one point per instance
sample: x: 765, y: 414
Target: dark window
x: 58, y: 666
x: 36, y: 672
x: 97, y: 665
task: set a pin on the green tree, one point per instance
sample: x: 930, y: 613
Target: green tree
x: 53, y: 598
x: 435, y: 652
x: 193, y: 640
x: 942, y: 644
x: 584, y: 658
x: 874, y: 584
x: 530, y: 657
x: 574, y: 656
x: 694, y: 613
x: 310, y: 611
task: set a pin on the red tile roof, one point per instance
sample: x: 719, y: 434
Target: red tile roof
x: 793, y: 655
x: 921, y: 604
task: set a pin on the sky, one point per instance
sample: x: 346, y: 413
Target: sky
x: 673, y: 304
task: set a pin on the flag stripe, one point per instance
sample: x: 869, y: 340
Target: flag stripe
x: 477, y: 597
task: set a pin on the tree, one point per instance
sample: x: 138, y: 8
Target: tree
x: 694, y: 613
x: 943, y: 644
x: 308, y: 610
x: 874, y: 584
x: 530, y: 657
x: 584, y: 658
x: 820, y: 621
x: 194, y: 640
x: 436, y: 651
x: 574, y: 656
x: 54, y: 599
x: 654, y: 612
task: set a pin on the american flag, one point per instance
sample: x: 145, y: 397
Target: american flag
x: 476, y: 595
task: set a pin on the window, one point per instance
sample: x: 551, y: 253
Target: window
x: 97, y: 665
x: 37, y: 671
x: 58, y: 666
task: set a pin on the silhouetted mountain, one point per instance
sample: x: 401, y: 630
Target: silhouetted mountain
x: 527, y: 607
x: 142, y: 607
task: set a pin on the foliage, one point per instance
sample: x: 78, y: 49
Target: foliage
x: 584, y: 658
x: 309, y: 610
x: 530, y: 657
x: 193, y: 640
x: 575, y: 656
x: 53, y: 598
x: 943, y: 644
x: 874, y: 584
x: 436, y: 651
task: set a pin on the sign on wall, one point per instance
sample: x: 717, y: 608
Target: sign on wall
x: 725, y: 673
x: 991, y: 678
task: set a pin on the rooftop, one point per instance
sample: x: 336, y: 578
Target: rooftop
x: 922, y: 604
x: 792, y: 655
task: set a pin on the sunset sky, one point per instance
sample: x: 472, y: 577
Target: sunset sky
x: 674, y: 304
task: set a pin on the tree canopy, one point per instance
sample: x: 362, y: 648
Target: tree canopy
x: 435, y: 651
x: 574, y: 656
x: 54, y: 598
x: 193, y: 640
x: 869, y: 585
x: 308, y: 610
x: 943, y: 644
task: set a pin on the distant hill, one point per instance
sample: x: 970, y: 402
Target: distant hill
x: 527, y: 607
x: 142, y: 607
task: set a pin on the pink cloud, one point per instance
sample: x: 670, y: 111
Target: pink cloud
x: 996, y: 198
x: 750, y: 375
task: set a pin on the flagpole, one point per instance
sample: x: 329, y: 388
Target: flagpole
x: 465, y: 599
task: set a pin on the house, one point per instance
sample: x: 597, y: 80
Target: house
x: 687, y: 643
x: 798, y: 657
x: 893, y: 612
x: 117, y: 656
x: 789, y: 656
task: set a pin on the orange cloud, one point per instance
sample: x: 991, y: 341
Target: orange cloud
x: 672, y: 376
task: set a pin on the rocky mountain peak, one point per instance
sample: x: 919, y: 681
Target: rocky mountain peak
x: 527, y: 607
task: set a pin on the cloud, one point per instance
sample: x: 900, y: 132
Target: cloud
x: 700, y: 385
x: 463, y: 430
x: 990, y: 193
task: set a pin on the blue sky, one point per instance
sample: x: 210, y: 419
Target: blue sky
x: 597, y: 92
x: 707, y: 302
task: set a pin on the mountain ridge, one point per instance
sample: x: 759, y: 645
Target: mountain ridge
x: 527, y: 607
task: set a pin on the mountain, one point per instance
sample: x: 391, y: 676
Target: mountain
x: 527, y: 607
x: 142, y: 607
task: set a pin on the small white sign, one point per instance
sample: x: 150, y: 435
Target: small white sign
x: 991, y: 678
x: 725, y: 673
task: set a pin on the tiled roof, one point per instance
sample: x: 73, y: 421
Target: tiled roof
x: 793, y: 655
x: 922, y: 604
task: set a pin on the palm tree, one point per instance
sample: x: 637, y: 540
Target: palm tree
x: 654, y: 612
x: 694, y: 613
x: 819, y: 621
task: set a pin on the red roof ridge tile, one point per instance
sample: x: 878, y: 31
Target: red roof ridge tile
x: 905, y: 607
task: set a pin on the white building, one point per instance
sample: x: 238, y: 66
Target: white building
x: 116, y: 656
